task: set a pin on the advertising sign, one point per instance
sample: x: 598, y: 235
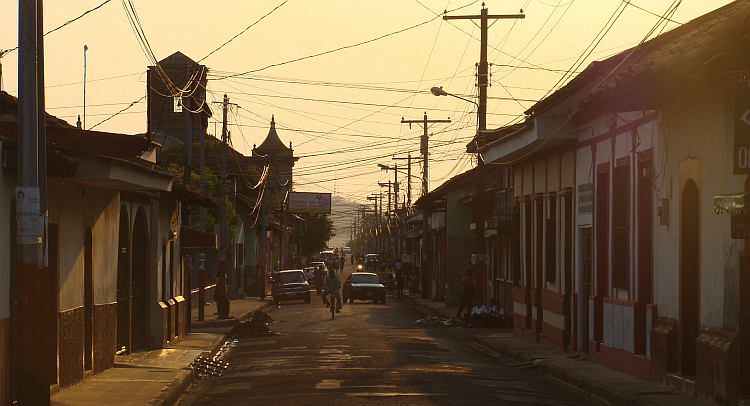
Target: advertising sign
x: 304, y: 202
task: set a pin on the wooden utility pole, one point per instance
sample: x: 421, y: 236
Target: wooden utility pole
x: 31, y: 310
x: 424, y: 122
x: 222, y: 301
x: 482, y: 83
x: 408, y: 177
x: 188, y: 172
x: 426, y: 243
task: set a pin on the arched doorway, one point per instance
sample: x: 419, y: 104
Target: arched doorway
x: 140, y: 276
x: 88, y: 301
x: 123, y: 283
x: 689, y: 275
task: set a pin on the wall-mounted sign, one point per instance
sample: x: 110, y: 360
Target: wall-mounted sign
x: 27, y: 215
x: 741, y: 148
x: 586, y: 198
x: 304, y: 202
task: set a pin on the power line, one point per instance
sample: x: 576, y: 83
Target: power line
x: 243, y: 31
x: 7, y: 51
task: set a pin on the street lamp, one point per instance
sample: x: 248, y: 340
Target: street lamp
x: 479, y: 258
x: 438, y: 91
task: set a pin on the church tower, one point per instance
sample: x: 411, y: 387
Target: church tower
x: 280, y: 159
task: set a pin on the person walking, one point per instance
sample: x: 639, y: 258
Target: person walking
x: 319, y: 275
x: 468, y: 292
x: 400, y: 284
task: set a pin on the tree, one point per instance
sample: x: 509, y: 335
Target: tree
x: 319, y: 229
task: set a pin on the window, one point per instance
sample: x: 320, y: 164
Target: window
x: 620, y: 227
x: 527, y: 245
x: 550, y: 242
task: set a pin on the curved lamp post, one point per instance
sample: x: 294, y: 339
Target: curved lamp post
x: 438, y: 91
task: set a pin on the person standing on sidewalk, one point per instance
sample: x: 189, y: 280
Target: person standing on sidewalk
x: 468, y: 292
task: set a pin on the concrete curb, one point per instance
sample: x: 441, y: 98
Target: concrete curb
x: 172, y: 393
x: 175, y: 389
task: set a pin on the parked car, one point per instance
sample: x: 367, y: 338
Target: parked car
x: 290, y: 285
x: 363, y: 286
x: 372, y: 262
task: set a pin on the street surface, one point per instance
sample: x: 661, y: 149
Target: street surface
x: 371, y: 354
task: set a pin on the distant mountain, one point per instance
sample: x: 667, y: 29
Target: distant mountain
x: 343, y: 214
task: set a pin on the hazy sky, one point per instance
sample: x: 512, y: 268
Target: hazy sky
x: 342, y: 109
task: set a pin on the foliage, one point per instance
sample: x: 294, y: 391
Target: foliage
x: 319, y: 229
x: 212, y: 186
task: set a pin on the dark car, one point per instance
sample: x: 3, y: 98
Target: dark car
x: 290, y: 285
x: 363, y: 286
x: 372, y: 262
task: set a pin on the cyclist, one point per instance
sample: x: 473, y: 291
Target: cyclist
x: 332, y: 285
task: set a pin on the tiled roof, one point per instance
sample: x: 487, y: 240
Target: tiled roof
x: 705, y: 48
x: 111, y: 145
x: 66, y: 137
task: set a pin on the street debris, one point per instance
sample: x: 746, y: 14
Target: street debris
x: 213, y: 366
x: 256, y: 326
x: 435, y: 320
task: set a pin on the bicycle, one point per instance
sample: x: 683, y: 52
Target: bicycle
x: 333, y: 306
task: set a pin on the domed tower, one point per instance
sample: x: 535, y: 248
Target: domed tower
x: 280, y: 159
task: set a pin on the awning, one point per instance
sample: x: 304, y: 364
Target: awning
x: 413, y: 233
x: 197, y: 241
x: 730, y: 204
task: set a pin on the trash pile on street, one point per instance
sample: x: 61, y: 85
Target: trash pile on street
x: 213, y: 366
x: 435, y: 320
x: 256, y: 326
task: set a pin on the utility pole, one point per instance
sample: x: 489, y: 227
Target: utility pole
x: 377, y: 220
x: 203, y: 177
x: 426, y: 243
x: 263, y: 243
x: 188, y: 172
x: 85, y: 49
x: 423, y: 146
x: 395, y: 205
x: 387, y: 235
x: 222, y: 302
x: 408, y: 177
x: 482, y: 83
x: 31, y: 308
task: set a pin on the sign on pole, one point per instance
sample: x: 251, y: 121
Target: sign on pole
x: 304, y: 202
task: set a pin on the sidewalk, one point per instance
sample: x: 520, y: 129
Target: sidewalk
x: 613, y: 386
x: 158, y: 377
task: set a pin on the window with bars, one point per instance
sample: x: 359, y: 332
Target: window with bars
x: 620, y: 227
x: 550, y: 242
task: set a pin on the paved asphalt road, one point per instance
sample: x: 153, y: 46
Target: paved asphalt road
x: 371, y: 354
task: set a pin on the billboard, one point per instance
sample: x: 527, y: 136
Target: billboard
x: 304, y: 202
